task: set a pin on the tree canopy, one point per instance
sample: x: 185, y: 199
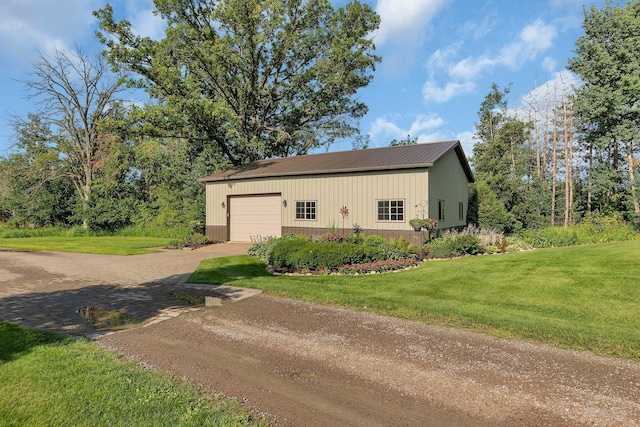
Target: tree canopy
x: 257, y: 78
x: 608, y: 63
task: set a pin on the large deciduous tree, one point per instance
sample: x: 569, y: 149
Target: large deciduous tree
x: 256, y: 78
x: 607, y: 103
x: 75, y: 93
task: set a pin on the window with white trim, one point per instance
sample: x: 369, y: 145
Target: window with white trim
x: 390, y: 210
x: 306, y: 210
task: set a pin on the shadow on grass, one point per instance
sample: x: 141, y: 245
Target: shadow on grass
x: 228, y: 270
x: 16, y: 340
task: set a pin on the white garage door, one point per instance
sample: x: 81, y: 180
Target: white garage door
x: 255, y: 216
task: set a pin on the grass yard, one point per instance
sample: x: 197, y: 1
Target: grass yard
x: 105, y: 245
x: 48, y: 380
x: 582, y: 297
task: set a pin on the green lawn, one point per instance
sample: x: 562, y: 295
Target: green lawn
x: 581, y: 297
x: 107, y: 245
x: 47, y: 380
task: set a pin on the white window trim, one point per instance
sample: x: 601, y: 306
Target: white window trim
x: 305, y: 210
x: 392, y: 221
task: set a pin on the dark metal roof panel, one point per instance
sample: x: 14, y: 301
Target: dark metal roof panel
x: 373, y: 159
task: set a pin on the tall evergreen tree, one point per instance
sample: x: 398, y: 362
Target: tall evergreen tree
x: 501, y: 156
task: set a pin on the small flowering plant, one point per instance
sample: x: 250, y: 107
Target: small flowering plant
x: 337, y: 238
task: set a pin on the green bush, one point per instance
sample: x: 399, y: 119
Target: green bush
x: 176, y: 244
x: 551, y: 237
x: 304, y: 255
x: 199, y: 239
x: 454, y: 245
x: 595, y: 228
x: 374, y: 240
x: 31, y: 232
x: 356, y: 239
x: 398, y: 249
x: 283, y: 249
x: 262, y: 246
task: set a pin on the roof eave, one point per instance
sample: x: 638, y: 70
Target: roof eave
x: 227, y: 178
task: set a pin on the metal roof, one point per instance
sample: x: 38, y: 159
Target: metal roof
x: 372, y: 159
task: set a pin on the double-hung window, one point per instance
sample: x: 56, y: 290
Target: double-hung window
x: 306, y: 210
x: 390, y: 210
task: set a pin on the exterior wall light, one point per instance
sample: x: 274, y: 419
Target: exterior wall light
x: 222, y: 204
x: 284, y: 203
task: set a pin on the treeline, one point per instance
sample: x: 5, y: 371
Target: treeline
x: 567, y: 150
x: 230, y: 83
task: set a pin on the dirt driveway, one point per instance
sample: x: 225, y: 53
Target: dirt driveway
x: 313, y: 365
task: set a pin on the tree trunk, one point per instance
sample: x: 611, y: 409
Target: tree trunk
x: 554, y: 166
x: 632, y: 181
x: 568, y: 141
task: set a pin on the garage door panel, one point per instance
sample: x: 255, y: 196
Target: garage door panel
x: 254, y: 216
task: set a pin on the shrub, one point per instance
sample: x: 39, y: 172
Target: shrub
x: 595, y: 228
x: 356, y: 239
x: 374, y: 240
x: 551, y: 237
x: 491, y: 249
x: 516, y: 245
x: 305, y: 255
x: 199, y: 239
x: 263, y: 246
x: 454, y: 245
x: 176, y: 244
x: 31, y: 232
x: 283, y: 249
x: 398, y: 249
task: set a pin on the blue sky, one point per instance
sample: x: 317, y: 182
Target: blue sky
x: 440, y: 57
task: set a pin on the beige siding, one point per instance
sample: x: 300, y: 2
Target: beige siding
x: 358, y: 192
x: 449, y: 183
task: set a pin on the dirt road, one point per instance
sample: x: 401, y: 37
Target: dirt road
x: 312, y: 365
x: 316, y: 366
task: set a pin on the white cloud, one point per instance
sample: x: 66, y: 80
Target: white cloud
x: 470, y: 68
x: 433, y: 93
x: 549, y: 64
x: 534, y: 39
x: 146, y: 24
x: 384, y: 129
x: 405, y: 20
x: 27, y: 26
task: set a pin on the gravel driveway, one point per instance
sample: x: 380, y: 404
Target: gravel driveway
x: 313, y: 365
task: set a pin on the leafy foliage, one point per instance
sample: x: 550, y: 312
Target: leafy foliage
x: 292, y: 252
x: 608, y: 63
x: 256, y: 78
x: 594, y: 229
x: 455, y: 244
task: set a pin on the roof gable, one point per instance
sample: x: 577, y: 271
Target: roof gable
x: 372, y: 159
